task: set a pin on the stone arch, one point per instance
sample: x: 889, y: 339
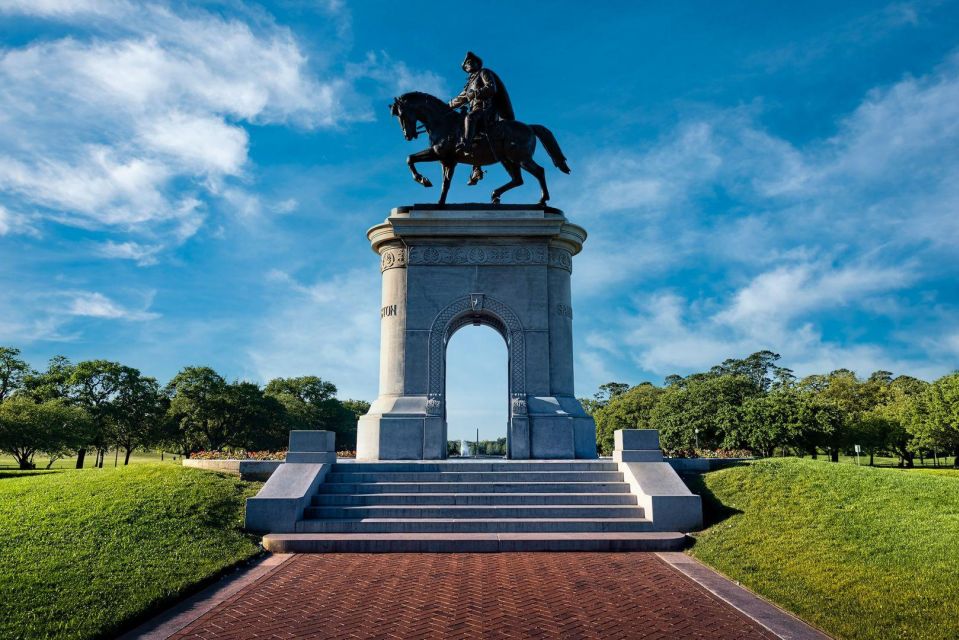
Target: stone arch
x: 477, y: 308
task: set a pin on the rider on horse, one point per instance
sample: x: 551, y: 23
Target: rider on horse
x: 487, y: 99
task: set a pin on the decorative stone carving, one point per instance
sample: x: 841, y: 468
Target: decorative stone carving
x: 496, y: 313
x: 518, y: 405
x: 490, y: 255
x: 560, y: 258
x: 393, y: 258
x: 434, y: 405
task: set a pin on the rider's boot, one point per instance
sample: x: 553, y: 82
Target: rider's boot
x: 476, y: 176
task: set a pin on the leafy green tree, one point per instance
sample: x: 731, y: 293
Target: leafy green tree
x: 53, y: 428
x: 196, y: 397
x: 52, y: 384
x: 138, y: 410
x: 311, y: 403
x: 941, y: 414
x: 772, y: 420
x: 13, y: 370
x: 625, y: 410
x: 760, y: 368
x: 94, y: 385
x: 709, y: 403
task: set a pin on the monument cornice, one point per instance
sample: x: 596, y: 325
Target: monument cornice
x: 428, y: 224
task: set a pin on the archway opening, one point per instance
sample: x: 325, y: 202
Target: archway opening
x: 477, y: 391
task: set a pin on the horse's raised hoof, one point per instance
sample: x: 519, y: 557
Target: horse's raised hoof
x: 423, y: 180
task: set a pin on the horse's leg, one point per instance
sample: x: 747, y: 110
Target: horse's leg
x: 540, y: 174
x: 448, y: 170
x: 516, y: 180
x: 426, y: 155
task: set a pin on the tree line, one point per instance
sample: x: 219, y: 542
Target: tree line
x: 757, y: 406
x: 95, y: 405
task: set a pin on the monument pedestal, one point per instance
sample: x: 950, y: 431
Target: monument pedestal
x: 507, y: 267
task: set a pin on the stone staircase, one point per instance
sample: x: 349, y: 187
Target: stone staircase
x: 479, y: 506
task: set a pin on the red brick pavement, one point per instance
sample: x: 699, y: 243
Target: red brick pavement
x: 501, y: 595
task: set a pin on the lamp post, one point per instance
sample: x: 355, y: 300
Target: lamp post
x: 697, y: 440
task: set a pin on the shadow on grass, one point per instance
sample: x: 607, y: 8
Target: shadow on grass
x: 11, y: 473
x: 714, y: 511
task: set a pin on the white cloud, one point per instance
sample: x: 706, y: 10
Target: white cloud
x: 844, y: 226
x: 143, y: 255
x: 329, y: 328
x: 135, y: 121
x: 96, y: 305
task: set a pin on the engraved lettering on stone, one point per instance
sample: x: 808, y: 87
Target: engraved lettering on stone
x: 388, y: 310
x: 564, y: 310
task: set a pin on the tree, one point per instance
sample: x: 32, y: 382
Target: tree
x: 196, y: 394
x: 760, y: 368
x: 13, y: 370
x: 93, y: 386
x: 625, y: 410
x: 138, y: 409
x: 311, y: 403
x: 703, y: 408
x: 52, y: 384
x: 53, y: 428
x: 941, y: 413
x: 772, y: 420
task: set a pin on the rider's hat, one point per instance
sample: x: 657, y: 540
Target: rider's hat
x: 472, y: 56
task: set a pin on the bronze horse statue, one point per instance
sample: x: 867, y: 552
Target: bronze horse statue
x: 508, y: 142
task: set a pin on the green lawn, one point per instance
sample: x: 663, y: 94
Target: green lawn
x: 138, y: 457
x: 860, y: 552
x: 86, y: 551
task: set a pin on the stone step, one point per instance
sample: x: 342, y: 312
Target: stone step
x: 433, y: 467
x: 358, y: 499
x: 459, y: 512
x: 467, y: 525
x: 477, y: 476
x: 472, y: 487
x: 471, y: 542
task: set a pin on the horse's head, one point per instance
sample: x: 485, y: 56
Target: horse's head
x: 407, y: 119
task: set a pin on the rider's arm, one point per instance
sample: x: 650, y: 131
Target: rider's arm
x: 489, y: 85
x: 461, y: 99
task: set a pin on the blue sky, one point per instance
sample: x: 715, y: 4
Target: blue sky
x: 191, y: 183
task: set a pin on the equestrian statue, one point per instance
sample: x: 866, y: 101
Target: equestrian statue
x: 487, y: 133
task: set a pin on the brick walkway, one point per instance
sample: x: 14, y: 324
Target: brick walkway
x: 504, y: 595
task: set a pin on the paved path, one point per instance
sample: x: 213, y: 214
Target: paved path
x: 505, y: 595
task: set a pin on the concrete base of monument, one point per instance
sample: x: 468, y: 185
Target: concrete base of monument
x: 401, y: 428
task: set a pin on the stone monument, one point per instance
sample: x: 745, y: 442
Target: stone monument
x: 445, y: 267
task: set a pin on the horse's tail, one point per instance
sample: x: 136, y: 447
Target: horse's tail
x: 552, y: 147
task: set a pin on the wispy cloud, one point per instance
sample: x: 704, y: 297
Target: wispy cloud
x: 92, y: 304
x: 791, y: 234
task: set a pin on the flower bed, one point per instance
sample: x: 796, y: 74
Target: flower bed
x: 239, y: 455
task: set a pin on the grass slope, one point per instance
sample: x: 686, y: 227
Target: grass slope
x: 860, y: 552
x: 85, y: 551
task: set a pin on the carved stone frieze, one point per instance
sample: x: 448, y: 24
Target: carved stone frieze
x: 560, y: 258
x: 393, y: 258
x: 518, y: 405
x: 434, y: 405
x: 483, y: 254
